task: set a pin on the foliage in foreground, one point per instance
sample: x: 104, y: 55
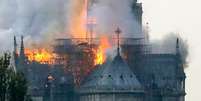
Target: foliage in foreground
x: 13, y: 85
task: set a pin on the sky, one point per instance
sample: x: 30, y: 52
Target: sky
x: 183, y: 17
x: 163, y: 16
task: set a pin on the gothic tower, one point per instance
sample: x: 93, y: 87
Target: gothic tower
x: 22, y: 56
x: 15, y: 53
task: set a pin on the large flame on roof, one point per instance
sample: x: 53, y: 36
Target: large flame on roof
x: 100, y: 54
x: 42, y: 56
x: 78, y: 18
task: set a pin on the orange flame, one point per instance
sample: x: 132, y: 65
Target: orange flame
x: 42, y: 56
x: 78, y: 17
x: 100, y: 55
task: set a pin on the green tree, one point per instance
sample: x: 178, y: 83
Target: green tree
x: 4, y: 77
x: 13, y: 85
x: 17, y: 87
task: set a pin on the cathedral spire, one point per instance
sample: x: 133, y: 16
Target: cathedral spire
x: 15, y: 45
x: 22, y: 54
x: 15, y: 53
x: 118, y: 32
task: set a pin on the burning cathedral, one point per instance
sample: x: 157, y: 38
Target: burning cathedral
x: 77, y: 69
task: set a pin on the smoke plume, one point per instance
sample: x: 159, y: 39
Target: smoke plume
x: 111, y: 14
x: 168, y: 45
x: 43, y: 20
x: 77, y: 18
x: 35, y: 19
x: 40, y: 21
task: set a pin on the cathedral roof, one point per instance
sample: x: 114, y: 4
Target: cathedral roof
x: 114, y: 75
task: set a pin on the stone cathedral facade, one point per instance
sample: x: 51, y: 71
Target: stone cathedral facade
x: 134, y: 74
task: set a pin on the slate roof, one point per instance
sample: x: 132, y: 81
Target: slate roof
x: 113, y: 75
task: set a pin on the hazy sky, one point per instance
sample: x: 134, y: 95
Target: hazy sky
x: 182, y: 16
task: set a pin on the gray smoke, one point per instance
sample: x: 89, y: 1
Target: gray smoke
x: 45, y: 19
x: 35, y: 19
x: 41, y: 20
x: 111, y: 14
x: 168, y: 45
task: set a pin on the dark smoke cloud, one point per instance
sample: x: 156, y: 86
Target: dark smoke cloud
x: 168, y: 45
